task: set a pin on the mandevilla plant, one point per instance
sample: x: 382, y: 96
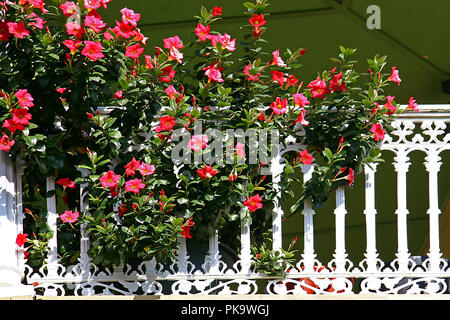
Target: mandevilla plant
x: 179, y: 143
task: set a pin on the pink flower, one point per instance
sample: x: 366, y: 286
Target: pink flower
x: 306, y: 158
x: 24, y: 98
x: 109, y: 179
x: 21, y: 239
x: 377, y: 130
x: 225, y: 41
x: 198, y: 142
x: 134, y: 185
x: 207, y: 172
x: 217, y: 11
x: 66, y: 182
x: 202, y: 32
x: 38, y: 22
x: 94, y: 4
x: 132, y: 166
x: 253, y: 203
x: 69, y: 8
x: 240, y: 150
x: 318, y: 88
x: 173, y: 42
x: 72, y: 45
x: 147, y: 169
x: 279, y: 106
x: 129, y: 17
x: 277, y: 59
x: 92, y: 50
x: 94, y: 23
x: 213, y: 74
x: 74, y: 29
x: 38, y: 4
x: 18, y: 29
x: 118, y: 94
x: 134, y: 51
x: 301, y: 118
x: 412, y: 104
x: 21, y: 116
x: 251, y: 77
x: 394, y: 77
x: 300, y: 100
x: 176, y: 55
x: 150, y: 63
x: 69, y: 216
x: 257, y: 20
x: 171, y: 92
x: 6, y: 143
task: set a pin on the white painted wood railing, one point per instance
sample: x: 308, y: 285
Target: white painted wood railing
x: 426, y: 131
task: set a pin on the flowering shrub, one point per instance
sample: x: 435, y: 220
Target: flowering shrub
x: 169, y: 146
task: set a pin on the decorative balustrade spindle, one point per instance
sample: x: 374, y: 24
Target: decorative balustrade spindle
x: 370, y: 213
x: 52, y: 216
x: 340, y: 254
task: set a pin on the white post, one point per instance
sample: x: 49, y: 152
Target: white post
x: 212, y: 260
x: 370, y: 213
x: 84, y: 259
x: 52, y: 217
x: 340, y: 254
x: 276, y: 168
x: 246, y: 255
x: 401, y: 165
x: 11, y: 273
x: 308, y: 254
x: 433, y: 165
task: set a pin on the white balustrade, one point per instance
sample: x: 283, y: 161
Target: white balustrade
x: 425, y: 131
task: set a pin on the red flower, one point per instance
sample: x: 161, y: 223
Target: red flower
x: 72, y: 45
x: 124, y: 30
x: 207, y: 172
x: 261, y: 116
x: 134, y: 51
x: 69, y: 216
x: 92, y: 50
x: 18, y: 29
x: 38, y: 22
x: 149, y: 63
x: 6, y: 143
x: 251, y: 77
x: 253, y: 203
x: 21, y: 116
x: 412, y: 104
x: 123, y: 208
x: 203, y: 32
x: 217, y: 11
x: 167, y: 74
x: 337, y: 83
x: 129, y: 17
x: 318, y: 88
x: 186, y: 228
x: 394, y: 76
x: 4, y: 31
x: 134, y: 185
x: 166, y: 123
x: 377, y: 130
x: 389, y: 105
x: 278, y: 77
x: 24, y: 98
x: 21, y: 239
x: 109, y: 179
x: 12, y: 126
x: 132, y: 166
x: 306, y: 157
x: 66, y: 182
x: 291, y: 80
x: 279, y: 106
x: 257, y: 20
x: 118, y: 94
x: 301, y: 118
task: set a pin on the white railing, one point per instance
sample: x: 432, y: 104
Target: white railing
x: 426, y: 131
